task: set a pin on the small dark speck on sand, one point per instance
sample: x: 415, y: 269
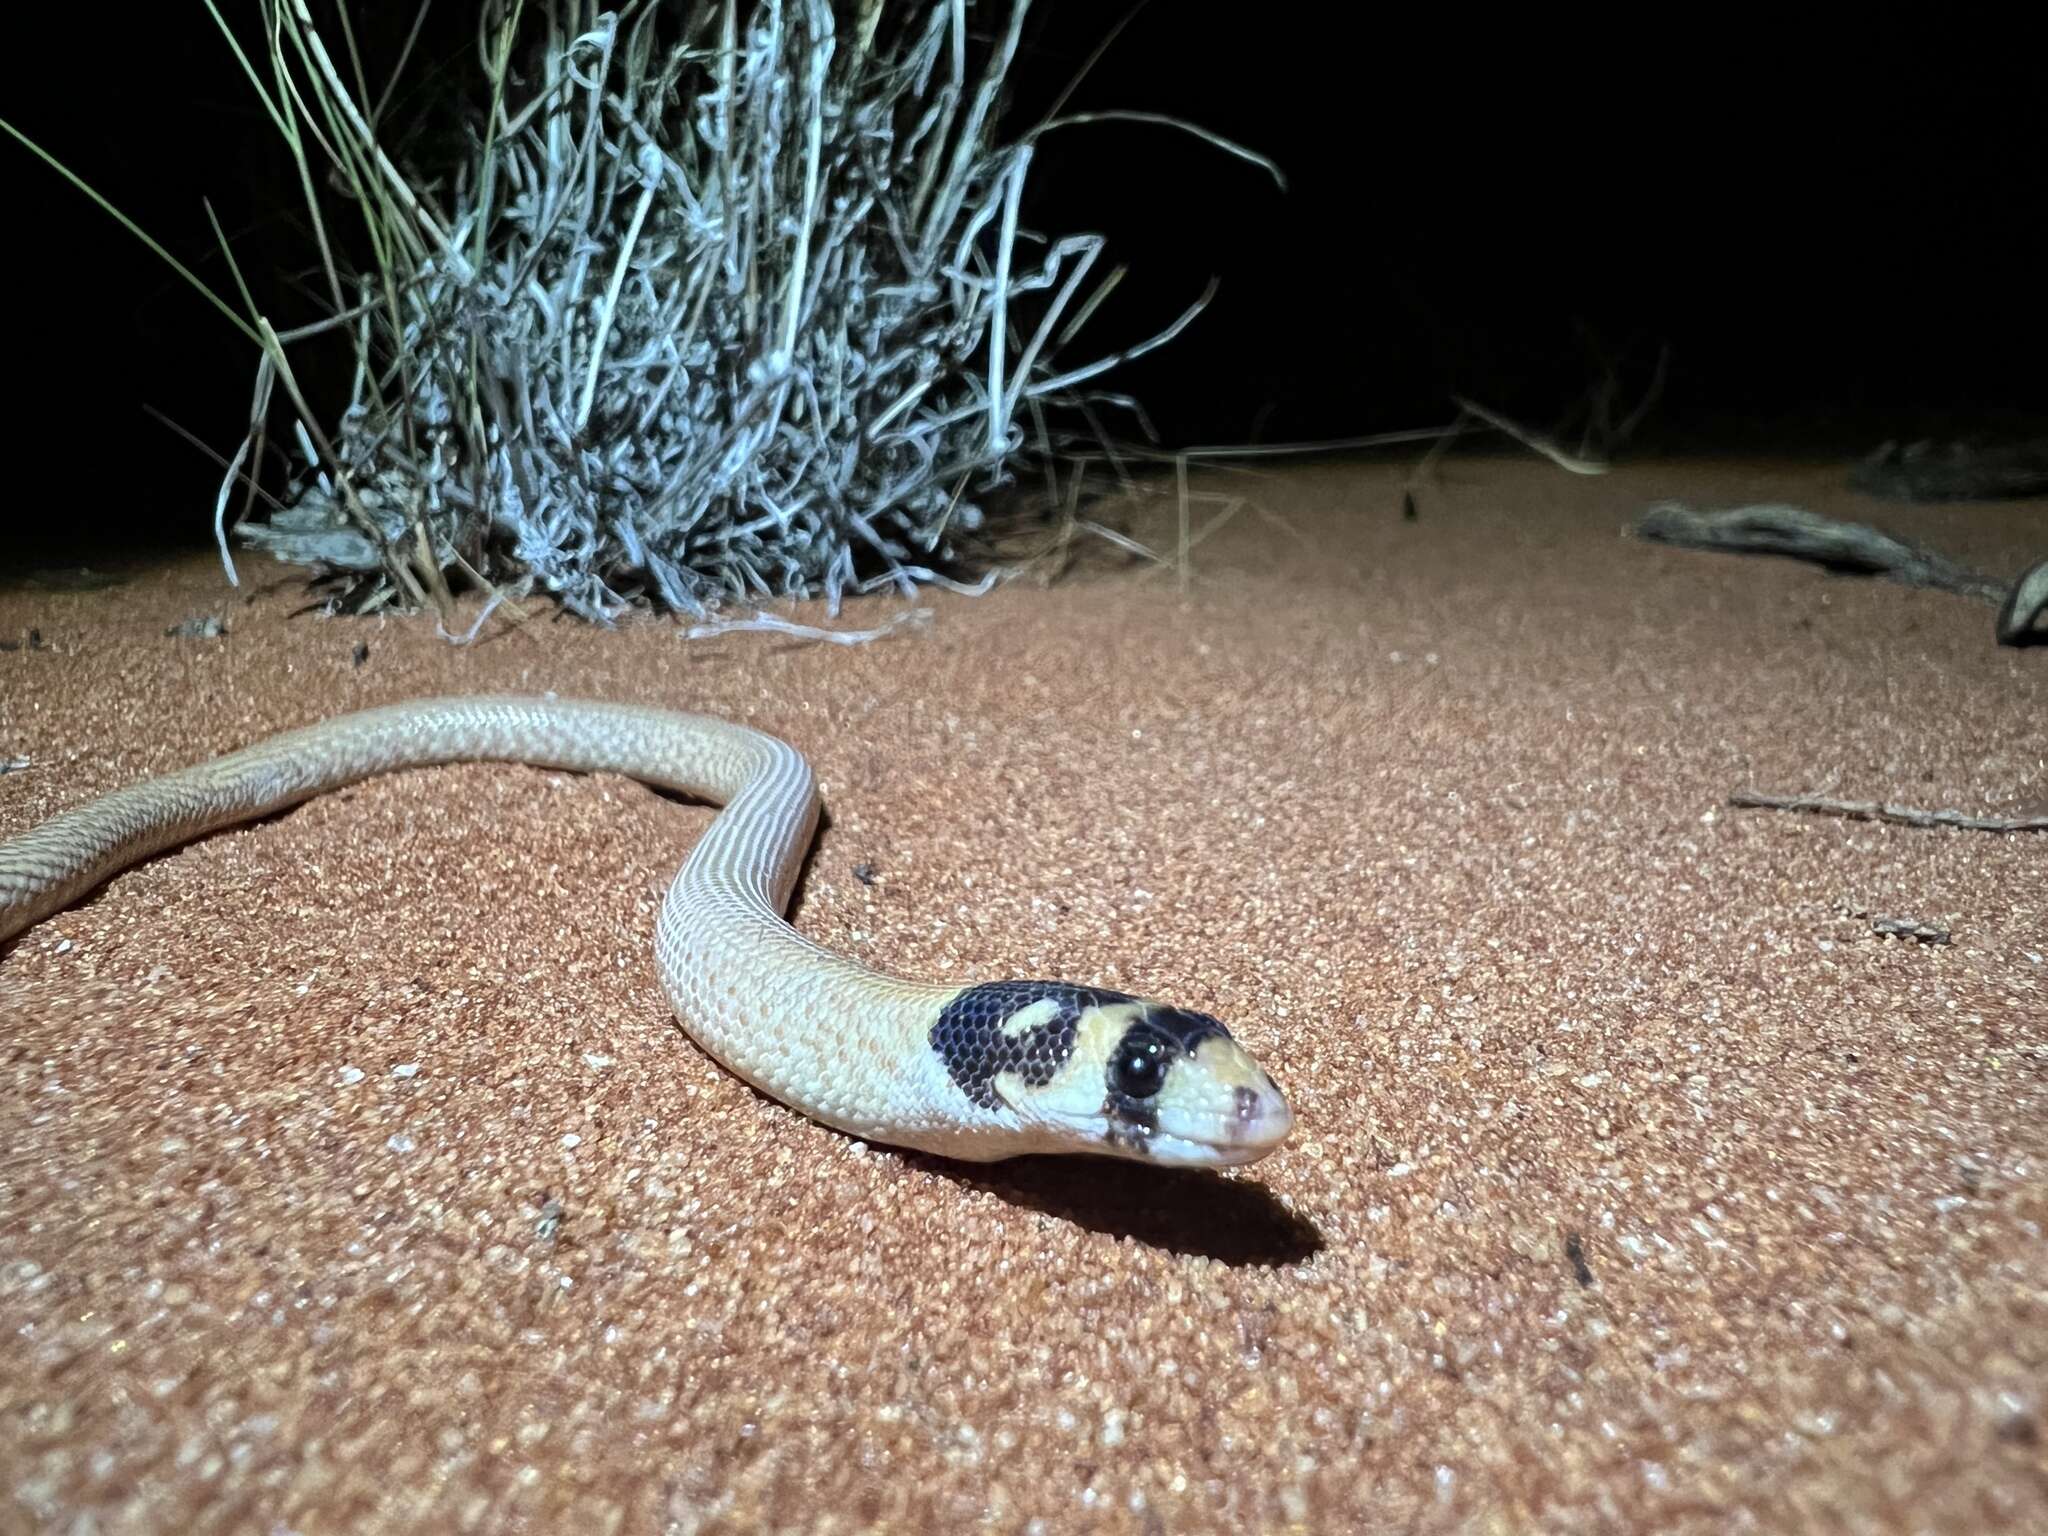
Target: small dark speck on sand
x: 1575, y: 1250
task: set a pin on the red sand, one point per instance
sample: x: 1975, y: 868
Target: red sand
x: 356, y: 1179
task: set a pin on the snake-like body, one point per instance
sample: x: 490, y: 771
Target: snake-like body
x: 978, y: 1073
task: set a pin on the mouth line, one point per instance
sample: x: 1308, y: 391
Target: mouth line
x: 1169, y: 1147
x: 1231, y: 1155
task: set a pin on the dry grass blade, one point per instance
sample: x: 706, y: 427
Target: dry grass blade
x: 1536, y: 441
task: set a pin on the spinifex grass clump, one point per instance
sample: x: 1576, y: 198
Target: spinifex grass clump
x: 724, y: 304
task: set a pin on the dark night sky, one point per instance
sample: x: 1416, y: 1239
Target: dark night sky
x: 1836, y: 237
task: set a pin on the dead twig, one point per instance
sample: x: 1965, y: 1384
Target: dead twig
x: 1775, y: 529
x: 1871, y: 810
x: 1854, y: 548
x: 1909, y: 928
x: 1928, y: 471
x: 1884, y: 927
x: 2019, y: 616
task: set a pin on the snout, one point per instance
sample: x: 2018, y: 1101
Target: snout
x: 1260, y: 1118
x: 1231, y: 1107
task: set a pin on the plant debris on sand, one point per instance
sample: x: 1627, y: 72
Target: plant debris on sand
x: 727, y: 301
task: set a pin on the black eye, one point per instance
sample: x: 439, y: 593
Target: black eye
x: 1139, y: 1069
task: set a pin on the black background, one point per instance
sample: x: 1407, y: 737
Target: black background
x: 1836, y: 235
